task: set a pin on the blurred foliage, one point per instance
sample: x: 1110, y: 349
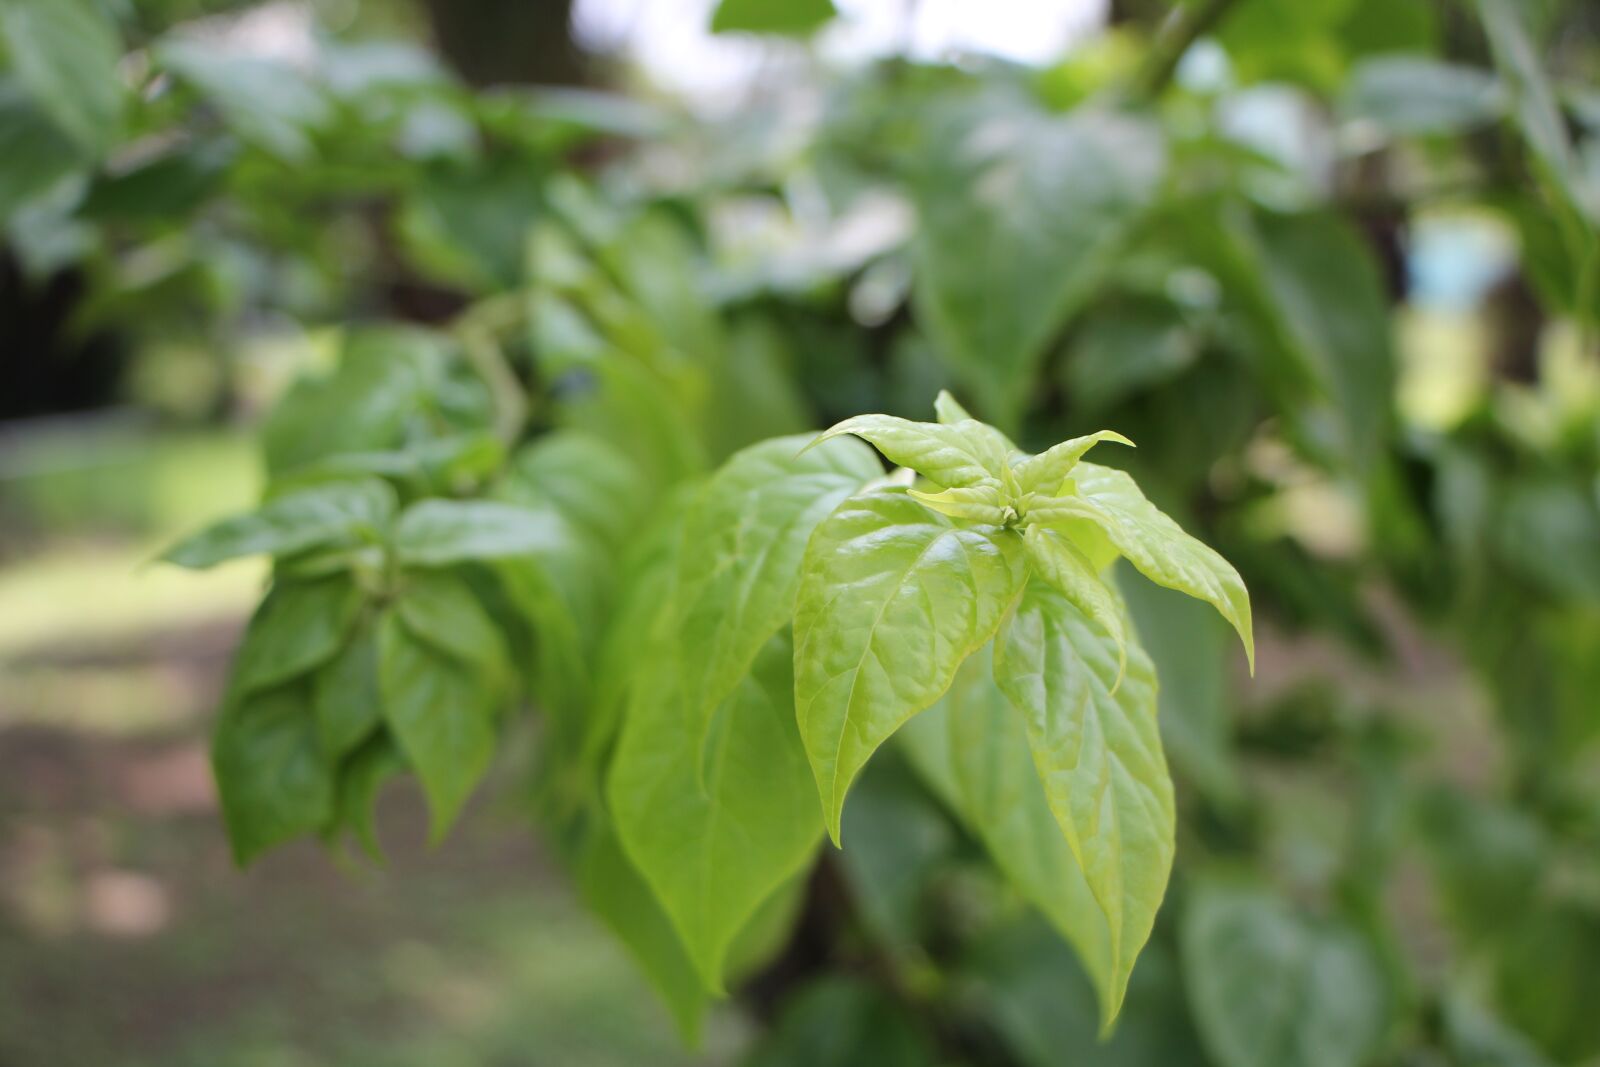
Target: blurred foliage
x: 1200, y: 229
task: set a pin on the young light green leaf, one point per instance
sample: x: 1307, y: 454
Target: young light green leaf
x: 1271, y: 988
x: 1060, y: 563
x: 715, y: 819
x: 344, y: 693
x: 745, y: 535
x: 978, y: 503
x: 1155, y: 544
x: 298, y: 627
x: 437, y: 533
x: 441, y: 714
x: 274, y: 781
x: 1097, y: 750
x: 326, y: 515
x: 892, y: 598
x: 964, y: 454
x: 1045, y: 472
x: 948, y: 410
x: 972, y: 750
x: 65, y: 53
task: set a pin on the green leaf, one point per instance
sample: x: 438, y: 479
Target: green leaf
x: 1156, y: 545
x: 1537, y: 111
x: 328, y: 515
x: 948, y: 410
x: 715, y: 816
x: 274, y: 781
x: 1328, y: 331
x: 972, y: 750
x: 1188, y: 643
x: 585, y: 478
x: 1412, y: 95
x: 1272, y: 988
x: 437, y: 533
x: 614, y: 890
x: 1124, y: 347
x: 976, y: 503
x: 1045, y: 472
x: 1067, y: 570
x: 956, y: 456
x: 899, y: 841
x: 892, y: 598
x: 297, y: 628
x: 65, y: 53
x: 1097, y: 749
x: 37, y: 154
x: 344, y: 693
x: 745, y: 537
x: 843, y: 1022
x: 1020, y: 221
x: 441, y: 714
x: 795, y: 18
x: 441, y: 609
x: 268, y: 103
x: 1043, y: 1004
x: 361, y: 776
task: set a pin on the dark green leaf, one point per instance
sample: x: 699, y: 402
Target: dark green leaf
x: 37, y: 154
x: 274, y: 780
x: 441, y: 714
x: 344, y: 693
x: 268, y: 103
x: 843, y: 1022
x: 1020, y: 221
x: 297, y: 628
x: 1272, y: 988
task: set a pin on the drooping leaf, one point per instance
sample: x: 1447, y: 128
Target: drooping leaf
x: 437, y: 533
x: 1019, y: 222
x: 745, y: 536
x: 329, y: 515
x: 65, y: 53
x: 441, y: 713
x: 960, y: 455
x: 440, y: 608
x: 1097, y: 749
x: 972, y: 750
x: 1272, y: 988
x: 715, y: 815
x: 274, y: 781
x: 1156, y: 545
x: 614, y: 890
x: 789, y: 17
x: 344, y: 693
x: 297, y: 628
x: 361, y: 777
x: 893, y: 597
x: 1188, y: 643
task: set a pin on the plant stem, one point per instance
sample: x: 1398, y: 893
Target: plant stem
x: 1182, y: 28
x: 477, y: 330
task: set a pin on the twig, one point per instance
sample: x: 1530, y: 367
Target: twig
x: 1185, y: 26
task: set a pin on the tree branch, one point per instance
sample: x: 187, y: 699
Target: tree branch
x: 1182, y: 28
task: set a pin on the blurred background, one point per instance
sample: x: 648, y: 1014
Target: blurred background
x: 1333, y: 264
